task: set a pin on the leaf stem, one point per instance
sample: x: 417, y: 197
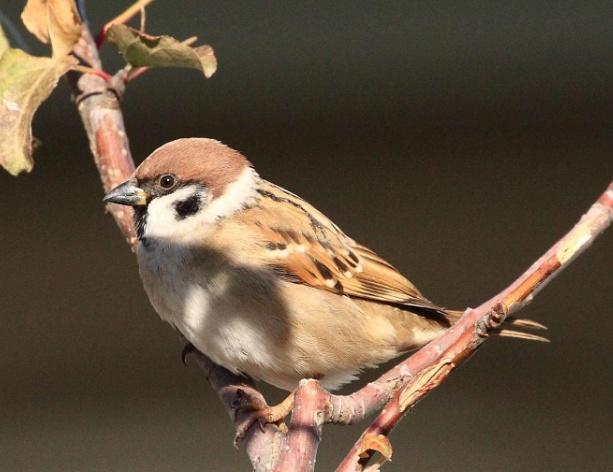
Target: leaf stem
x: 90, y: 70
x: 123, y: 17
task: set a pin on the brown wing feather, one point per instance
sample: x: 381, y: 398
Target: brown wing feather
x: 306, y: 247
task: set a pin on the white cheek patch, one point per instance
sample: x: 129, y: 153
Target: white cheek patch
x: 162, y: 219
x: 235, y: 196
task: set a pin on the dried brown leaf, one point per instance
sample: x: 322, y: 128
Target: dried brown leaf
x: 377, y: 443
x: 54, y: 21
x: 143, y: 50
x: 25, y: 82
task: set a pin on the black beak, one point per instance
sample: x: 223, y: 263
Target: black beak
x: 127, y: 193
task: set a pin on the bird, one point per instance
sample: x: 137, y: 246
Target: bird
x: 262, y: 282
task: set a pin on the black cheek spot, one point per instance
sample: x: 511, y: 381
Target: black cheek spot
x: 187, y: 207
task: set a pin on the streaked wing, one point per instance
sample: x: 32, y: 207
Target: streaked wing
x: 304, y: 246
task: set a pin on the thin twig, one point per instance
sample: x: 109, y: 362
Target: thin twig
x: 123, y: 17
x: 143, y: 18
x: 91, y: 70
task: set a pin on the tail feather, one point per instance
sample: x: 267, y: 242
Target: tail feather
x: 511, y: 322
x: 510, y: 333
x: 524, y: 323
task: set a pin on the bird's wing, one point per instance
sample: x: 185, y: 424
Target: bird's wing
x: 304, y: 246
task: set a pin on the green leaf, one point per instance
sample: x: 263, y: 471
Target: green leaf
x: 25, y: 82
x: 143, y: 50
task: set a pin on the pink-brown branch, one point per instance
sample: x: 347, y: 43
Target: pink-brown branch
x: 98, y: 104
x: 435, y: 361
x: 305, y: 429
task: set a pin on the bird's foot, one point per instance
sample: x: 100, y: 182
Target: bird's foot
x: 263, y: 415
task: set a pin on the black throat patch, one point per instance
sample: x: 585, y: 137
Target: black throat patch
x: 140, y: 220
x: 188, y: 207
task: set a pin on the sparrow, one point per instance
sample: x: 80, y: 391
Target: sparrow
x: 262, y: 282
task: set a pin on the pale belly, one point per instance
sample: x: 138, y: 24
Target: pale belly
x: 250, y: 321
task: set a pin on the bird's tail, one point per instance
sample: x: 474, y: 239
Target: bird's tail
x: 507, y: 329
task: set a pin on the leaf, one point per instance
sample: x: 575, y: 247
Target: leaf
x: 55, y: 21
x: 143, y: 50
x: 25, y: 82
x: 4, y: 43
x: 376, y: 443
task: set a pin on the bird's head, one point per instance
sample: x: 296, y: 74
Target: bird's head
x: 185, y: 186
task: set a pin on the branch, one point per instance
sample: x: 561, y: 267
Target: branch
x: 399, y: 389
x: 98, y: 103
x: 304, y: 435
x: 434, y: 362
x: 263, y: 443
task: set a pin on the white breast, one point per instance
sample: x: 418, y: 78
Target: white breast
x: 228, y: 313
x: 249, y: 321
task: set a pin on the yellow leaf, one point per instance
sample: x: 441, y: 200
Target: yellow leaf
x: 377, y: 443
x: 54, y: 21
x: 25, y: 82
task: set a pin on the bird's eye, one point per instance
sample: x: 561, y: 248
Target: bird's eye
x: 167, y: 181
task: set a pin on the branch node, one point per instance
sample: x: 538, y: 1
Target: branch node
x: 492, y: 320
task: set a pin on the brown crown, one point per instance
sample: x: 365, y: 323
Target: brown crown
x: 203, y: 160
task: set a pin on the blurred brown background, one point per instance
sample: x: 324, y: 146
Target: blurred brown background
x: 458, y: 139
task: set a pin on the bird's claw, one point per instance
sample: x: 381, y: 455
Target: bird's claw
x: 244, y: 425
x: 187, y: 350
x: 262, y: 415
